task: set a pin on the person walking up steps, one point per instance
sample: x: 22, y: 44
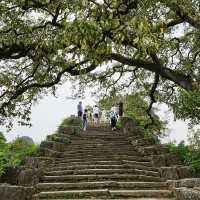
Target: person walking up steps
x: 113, y: 118
x: 121, y: 109
x: 80, y: 109
x: 85, y: 120
x: 96, y: 114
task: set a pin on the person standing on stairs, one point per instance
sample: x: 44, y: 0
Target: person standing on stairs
x: 85, y: 120
x: 96, y: 114
x: 113, y: 118
x: 121, y: 109
x: 80, y: 109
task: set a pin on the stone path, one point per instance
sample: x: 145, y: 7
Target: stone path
x: 101, y: 165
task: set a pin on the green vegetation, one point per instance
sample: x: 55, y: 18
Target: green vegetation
x: 70, y: 125
x: 135, y: 108
x: 12, y: 154
x: 189, y: 153
x: 71, y: 121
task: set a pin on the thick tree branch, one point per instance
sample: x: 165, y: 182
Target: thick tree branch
x: 20, y: 90
x: 177, y: 77
x: 184, y: 15
x: 152, y: 99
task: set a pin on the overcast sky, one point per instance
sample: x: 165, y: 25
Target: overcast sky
x: 50, y: 111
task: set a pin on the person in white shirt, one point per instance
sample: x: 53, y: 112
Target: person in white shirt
x: 96, y: 114
x: 113, y: 117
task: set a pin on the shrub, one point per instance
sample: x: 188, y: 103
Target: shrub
x: 71, y: 121
x: 71, y: 125
x: 13, y: 153
x: 188, y: 154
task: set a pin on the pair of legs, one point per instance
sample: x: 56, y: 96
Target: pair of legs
x: 80, y: 113
x: 84, y: 125
x: 96, y: 118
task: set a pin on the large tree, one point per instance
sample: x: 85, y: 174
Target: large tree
x: 151, y: 45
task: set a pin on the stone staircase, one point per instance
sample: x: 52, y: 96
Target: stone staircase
x: 99, y: 164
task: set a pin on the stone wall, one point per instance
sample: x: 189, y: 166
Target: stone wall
x: 19, y: 183
x: 10, y: 192
x: 186, y: 189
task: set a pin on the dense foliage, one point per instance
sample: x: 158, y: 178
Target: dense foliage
x: 151, y: 46
x: 12, y: 154
x: 189, y: 153
x: 135, y: 107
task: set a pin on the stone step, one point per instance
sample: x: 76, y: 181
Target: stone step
x: 100, y: 141
x: 100, y: 149
x: 101, y: 185
x: 100, y: 145
x: 102, y: 171
x: 98, y: 137
x: 99, y: 177
x: 104, y: 162
x: 141, y: 193
x: 100, y: 166
x: 105, y: 193
x: 114, y: 198
x: 68, y: 159
x: 53, y: 145
x: 105, y: 145
x: 96, y: 153
x: 46, y: 152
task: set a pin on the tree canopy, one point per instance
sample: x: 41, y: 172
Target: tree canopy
x: 151, y: 46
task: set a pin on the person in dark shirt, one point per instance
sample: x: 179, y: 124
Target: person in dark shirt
x: 121, y: 109
x: 85, y: 119
x: 80, y: 109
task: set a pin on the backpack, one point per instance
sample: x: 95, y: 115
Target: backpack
x: 84, y: 116
x: 113, y: 115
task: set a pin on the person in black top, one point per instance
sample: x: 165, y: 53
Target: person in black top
x: 80, y: 109
x: 121, y: 108
x: 85, y: 119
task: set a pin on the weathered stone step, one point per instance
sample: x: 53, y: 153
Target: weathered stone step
x: 99, y: 150
x: 102, y: 171
x: 104, y: 162
x: 68, y: 159
x: 53, y: 145
x: 105, y: 193
x: 112, y: 198
x: 99, y: 137
x: 98, y: 153
x: 46, y: 152
x: 99, y: 141
x: 84, y: 149
x: 116, y: 177
x: 100, y: 166
x: 100, y: 145
x: 101, y: 185
x: 141, y: 193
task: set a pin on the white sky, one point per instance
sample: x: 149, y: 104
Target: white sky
x: 50, y: 111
